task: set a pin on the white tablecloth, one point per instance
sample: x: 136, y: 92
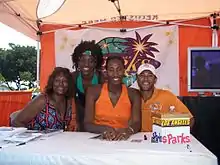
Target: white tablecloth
x: 70, y: 148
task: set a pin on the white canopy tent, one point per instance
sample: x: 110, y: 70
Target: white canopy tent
x: 24, y: 15
x: 27, y: 16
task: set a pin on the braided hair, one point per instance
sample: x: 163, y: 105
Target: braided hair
x: 95, y: 49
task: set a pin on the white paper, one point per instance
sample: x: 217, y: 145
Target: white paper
x: 23, y: 137
x: 10, y: 131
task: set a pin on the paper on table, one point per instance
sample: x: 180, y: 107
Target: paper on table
x: 47, y: 132
x: 23, y: 137
x: 10, y: 131
x: 6, y: 144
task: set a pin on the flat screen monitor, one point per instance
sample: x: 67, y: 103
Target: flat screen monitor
x: 204, y: 69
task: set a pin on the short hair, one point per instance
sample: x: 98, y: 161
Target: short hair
x: 91, y: 46
x: 119, y: 58
x: 66, y: 72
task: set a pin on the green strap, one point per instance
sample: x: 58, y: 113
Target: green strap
x: 79, y: 82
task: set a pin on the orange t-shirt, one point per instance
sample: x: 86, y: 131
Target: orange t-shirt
x: 161, y: 100
x: 106, y: 114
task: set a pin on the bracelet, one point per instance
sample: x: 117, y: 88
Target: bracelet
x: 132, y: 130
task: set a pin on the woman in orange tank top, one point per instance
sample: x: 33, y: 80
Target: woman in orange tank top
x: 112, y: 109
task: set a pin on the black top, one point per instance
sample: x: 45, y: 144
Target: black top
x: 81, y: 101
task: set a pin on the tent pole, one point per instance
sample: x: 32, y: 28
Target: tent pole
x: 215, y: 28
x: 214, y: 38
x: 38, y: 63
x: 39, y: 33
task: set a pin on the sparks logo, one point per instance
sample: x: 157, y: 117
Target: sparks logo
x: 170, y: 139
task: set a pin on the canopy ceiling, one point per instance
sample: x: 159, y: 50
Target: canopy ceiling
x: 22, y: 15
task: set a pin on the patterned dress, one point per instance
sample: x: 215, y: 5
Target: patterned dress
x: 48, y: 118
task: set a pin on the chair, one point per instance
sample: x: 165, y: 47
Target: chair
x: 13, y: 116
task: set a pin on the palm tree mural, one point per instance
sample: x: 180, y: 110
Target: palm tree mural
x: 135, y: 51
x: 141, y: 51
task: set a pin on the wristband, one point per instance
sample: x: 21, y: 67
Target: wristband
x: 132, y: 130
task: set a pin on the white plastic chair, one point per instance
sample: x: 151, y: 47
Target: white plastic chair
x: 13, y: 116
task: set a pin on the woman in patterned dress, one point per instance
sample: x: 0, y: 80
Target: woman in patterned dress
x: 53, y: 109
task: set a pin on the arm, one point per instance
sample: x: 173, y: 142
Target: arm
x: 135, y: 121
x: 29, y: 112
x: 91, y: 97
x: 76, y: 107
x: 73, y: 125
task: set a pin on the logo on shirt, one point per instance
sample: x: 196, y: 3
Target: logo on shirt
x: 156, y: 106
x: 172, y: 108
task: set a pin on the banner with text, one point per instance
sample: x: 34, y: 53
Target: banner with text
x: 155, y: 45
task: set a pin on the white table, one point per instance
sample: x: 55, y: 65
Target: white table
x: 71, y: 148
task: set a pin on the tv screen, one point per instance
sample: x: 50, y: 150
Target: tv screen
x: 204, y: 69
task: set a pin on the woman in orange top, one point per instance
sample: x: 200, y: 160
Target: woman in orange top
x: 112, y: 109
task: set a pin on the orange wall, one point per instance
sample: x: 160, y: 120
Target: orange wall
x: 191, y: 37
x: 11, y: 102
x: 188, y: 36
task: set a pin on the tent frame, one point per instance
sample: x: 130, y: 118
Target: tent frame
x: 213, y: 26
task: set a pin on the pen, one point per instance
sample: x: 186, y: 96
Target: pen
x: 21, y: 144
x: 11, y: 145
x: 189, y: 148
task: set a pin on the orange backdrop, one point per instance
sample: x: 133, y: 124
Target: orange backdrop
x: 188, y: 36
x: 11, y: 102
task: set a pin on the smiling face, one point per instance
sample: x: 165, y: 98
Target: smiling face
x: 87, y: 64
x: 115, y: 71
x: 60, y: 84
x: 146, y: 80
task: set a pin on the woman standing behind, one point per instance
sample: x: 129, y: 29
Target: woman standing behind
x: 87, y: 59
x: 55, y: 108
x: 112, y: 109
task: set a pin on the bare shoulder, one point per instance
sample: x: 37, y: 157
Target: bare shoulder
x: 133, y: 94
x: 36, y: 104
x: 94, y: 91
x: 132, y: 91
x: 39, y: 99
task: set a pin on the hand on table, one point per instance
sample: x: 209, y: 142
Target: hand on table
x: 116, y: 134
x: 109, y: 134
x: 122, y: 134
